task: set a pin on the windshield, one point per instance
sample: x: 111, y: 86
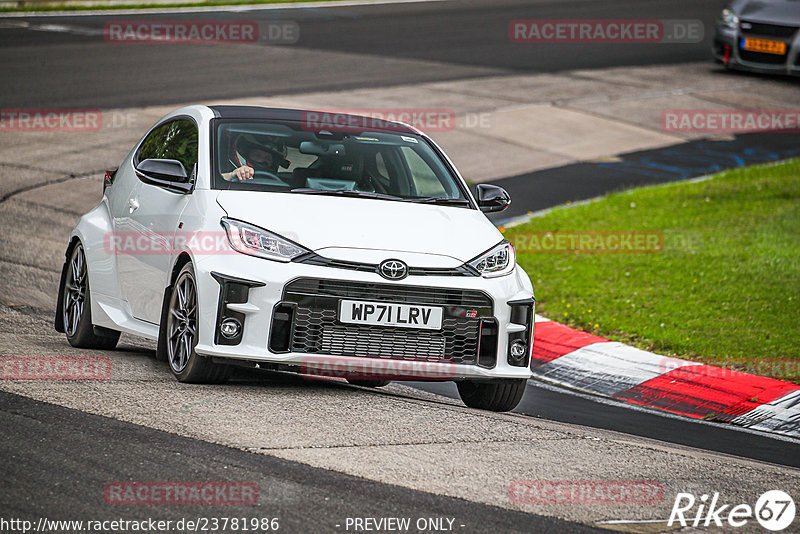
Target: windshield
x: 282, y: 157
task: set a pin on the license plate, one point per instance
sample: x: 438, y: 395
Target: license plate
x: 765, y: 46
x: 388, y: 314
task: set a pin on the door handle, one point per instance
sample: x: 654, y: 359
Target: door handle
x: 133, y: 204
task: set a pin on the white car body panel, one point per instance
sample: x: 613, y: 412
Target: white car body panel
x: 316, y: 223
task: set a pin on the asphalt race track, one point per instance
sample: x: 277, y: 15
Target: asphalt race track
x: 376, y: 45
x: 305, y: 499
x: 551, y: 403
x: 353, y: 458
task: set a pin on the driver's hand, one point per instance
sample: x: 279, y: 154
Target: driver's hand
x: 243, y: 173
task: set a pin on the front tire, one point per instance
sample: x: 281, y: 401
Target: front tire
x: 181, y: 335
x: 500, y: 395
x: 76, y: 307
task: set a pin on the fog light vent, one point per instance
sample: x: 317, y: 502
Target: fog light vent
x: 520, y: 342
x: 487, y: 343
x: 230, y: 323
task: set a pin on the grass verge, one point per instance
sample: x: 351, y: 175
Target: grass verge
x: 722, y: 287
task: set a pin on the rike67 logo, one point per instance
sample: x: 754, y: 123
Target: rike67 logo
x: 774, y: 510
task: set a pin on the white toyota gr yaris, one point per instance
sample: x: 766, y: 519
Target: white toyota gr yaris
x: 330, y: 245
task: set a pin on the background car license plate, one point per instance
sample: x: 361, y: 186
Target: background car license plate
x: 764, y: 46
x: 389, y: 314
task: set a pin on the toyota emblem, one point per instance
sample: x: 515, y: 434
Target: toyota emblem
x: 393, y: 269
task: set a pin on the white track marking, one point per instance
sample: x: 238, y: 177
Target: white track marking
x: 780, y: 416
x: 62, y: 28
x: 607, y: 367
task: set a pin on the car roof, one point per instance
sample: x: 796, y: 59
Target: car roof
x: 300, y: 115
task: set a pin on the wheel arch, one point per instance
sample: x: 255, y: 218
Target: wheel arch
x: 59, y: 318
x: 180, y: 261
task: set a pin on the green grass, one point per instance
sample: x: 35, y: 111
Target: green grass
x: 724, y: 289
x: 32, y: 8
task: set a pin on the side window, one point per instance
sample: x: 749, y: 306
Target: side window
x: 391, y: 172
x: 381, y: 166
x: 387, y: 173
x: 425, y: 180
x: 173, y: 140
x: 151, y: 146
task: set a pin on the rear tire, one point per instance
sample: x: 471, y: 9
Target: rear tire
x: 370, y: 383
x: 180, y: 327
x: 76, y: 307
x: 500, y: 395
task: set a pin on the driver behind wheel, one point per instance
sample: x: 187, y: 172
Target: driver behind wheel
x: 253, y: 153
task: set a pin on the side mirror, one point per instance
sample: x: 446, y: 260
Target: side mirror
x: 164, y: 169
x: 167, y: 173
x: 492, y: 198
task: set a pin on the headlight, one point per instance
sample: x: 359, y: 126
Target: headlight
x: 255, y: 241
x: 728, y: 19
x: 498, y: 261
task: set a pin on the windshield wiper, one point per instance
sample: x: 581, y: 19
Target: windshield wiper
x: 440, y: 200
x: 381, y: 196
x: 345, y: 193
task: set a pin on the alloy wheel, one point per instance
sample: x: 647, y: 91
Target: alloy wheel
x: 75, y: 291
x: 182, y: 322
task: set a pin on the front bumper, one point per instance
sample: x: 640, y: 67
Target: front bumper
x: 351, y: 353
x: 726, y: 48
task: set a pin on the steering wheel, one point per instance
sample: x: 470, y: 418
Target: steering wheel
x: 369, y: 181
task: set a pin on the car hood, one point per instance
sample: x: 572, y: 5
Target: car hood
x: 320, y: 222
x: 782, y: 12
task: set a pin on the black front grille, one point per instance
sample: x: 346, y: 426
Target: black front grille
x: 430, y: 296
x: 767, y: 30
x: 316, y: 330
x: 760, y: 57
x: 312, y: 258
